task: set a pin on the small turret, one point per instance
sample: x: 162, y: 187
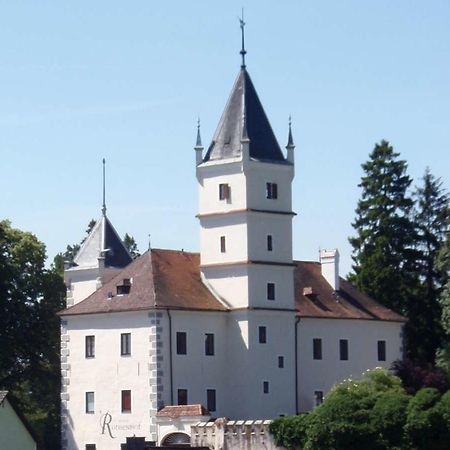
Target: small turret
x: 198, y: 146
x: 290, y: 145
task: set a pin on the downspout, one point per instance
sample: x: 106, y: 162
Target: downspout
x: 297, y: 321
x: 170, y: 356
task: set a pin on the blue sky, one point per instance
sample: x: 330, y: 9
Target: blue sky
x: 84, y: 80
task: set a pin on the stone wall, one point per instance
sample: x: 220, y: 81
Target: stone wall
x: 233, y: 435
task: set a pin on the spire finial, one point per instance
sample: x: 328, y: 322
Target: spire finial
x: 198, y: 143
x: 104, y: 189
x: 243, y: 51
x: 290, y: 143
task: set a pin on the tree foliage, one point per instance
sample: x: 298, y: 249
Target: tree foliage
x: 130, y: 244
x: 30, y: 295
x: 382, y: 247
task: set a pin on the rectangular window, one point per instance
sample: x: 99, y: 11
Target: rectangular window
x: 281, y: 362
x: 211, y: 400
x: 90, y: 402
x: 265, y: 387
x: 223, y: 247
x: 269, y: 243
x: 270, y: 291
x: 126, y: 401
x: 343, y: 349
x: 125, y: 344
x: 318, y: 398
x: 209, y: 344
x: 262, y: 335
x: 90, y: 346
x: 317, y: 348
x: 182, y: 396
x: 181, y: 343
x: 224, y: 191
x: 123, y: 289
x: 90, y: 447
x: 271, y: 190
x: 381, y: 350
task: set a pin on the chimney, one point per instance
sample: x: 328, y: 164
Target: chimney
x: 329, y: 262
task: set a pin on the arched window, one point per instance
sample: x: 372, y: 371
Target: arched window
x: 177, y: 440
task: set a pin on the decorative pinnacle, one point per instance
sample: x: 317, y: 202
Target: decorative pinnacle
x: 290, y: 143
x: 243, y: 51
x: 104, y: 190
x: 198, y: 143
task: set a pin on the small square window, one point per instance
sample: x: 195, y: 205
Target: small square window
x: 209, y: 344
x: 318, y: 398
x: 90, y: 447
x: 125, y: 344
x: 223, y: 248
x: 126, y: 401
x: 271, y: 191
x: 90, y: 402
x: 265, y: 387
x: 281, y: 362
x: 381, y: 350
x: 224, y: 191
x: 182, y: 397
x: 270, y: 291
x: 262, y: 332
x: 181, y: 343
x: 269, y: 243
x: 343, y: 349
x: 211, y: 400
x: 90, y: 346
x: 317, y: 348
x: 123, y: 289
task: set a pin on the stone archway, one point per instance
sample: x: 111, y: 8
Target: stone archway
x: 176, y: 439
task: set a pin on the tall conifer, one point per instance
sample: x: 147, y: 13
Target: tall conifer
x: 383, y: 251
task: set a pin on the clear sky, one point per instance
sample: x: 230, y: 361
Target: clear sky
x: 84, y: 80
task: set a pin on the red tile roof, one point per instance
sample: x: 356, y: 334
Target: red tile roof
x: 171, y: 279
x: 182, y: 410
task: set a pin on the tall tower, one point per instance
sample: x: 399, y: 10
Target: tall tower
x: 245, y: 205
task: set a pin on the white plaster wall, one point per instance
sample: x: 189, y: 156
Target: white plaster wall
x: 279, y: 227
x: 282, y: 276
x: 13, y: 434
x: 229, y: 283
x: 167, y: 425
x: 210, y: 176
x: 362, y: 335
x: 81, y: 283
x: 258, y: 174
x: 107, y: 375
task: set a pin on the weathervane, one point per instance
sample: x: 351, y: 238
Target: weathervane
x: 242, y: 52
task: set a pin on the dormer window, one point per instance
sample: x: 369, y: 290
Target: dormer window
x: 271, y: 190
x: 124, y: 288
x: 224, y: 191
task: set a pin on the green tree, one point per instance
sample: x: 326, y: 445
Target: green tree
x: 383, y: 252
x: 423, y: 332
x: 131, y: 246
x: 30, y: 295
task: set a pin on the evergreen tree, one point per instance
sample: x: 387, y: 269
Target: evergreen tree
x: 383, y: 252
x: 131, y: 246
x: 423, y: 332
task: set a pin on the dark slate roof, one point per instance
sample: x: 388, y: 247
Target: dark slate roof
x: 324, y: 302
x: 171, y: 279
x: 226, y: 142
x: 103, y: 238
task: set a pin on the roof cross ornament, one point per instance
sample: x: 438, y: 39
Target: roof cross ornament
x: 104, y: 189
x: 243, y: 51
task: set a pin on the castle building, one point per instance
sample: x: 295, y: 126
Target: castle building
x: 240, y: 330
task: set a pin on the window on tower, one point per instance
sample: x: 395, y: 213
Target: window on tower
x: 262, y: 335
x: 209, y: 344
x: 211, y: 400
x: 224, y: 191
x: 343, y: 349
x: 126, y: 401
x: 181, y: 343
x: 270, y: 291
x: 90, y: 346
x: 269, y: 243
x: 317, y: 348
x: 271, y: 190
x: 381, y: 350
x: 125, y: 344
x: 182, y: 397
x: 90, y: 401
x: 223, y: 246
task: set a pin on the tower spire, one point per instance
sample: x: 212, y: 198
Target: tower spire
x: 290, y: 143
x: 104, y: 189
x: 243, y: 51
x: 198, y: 143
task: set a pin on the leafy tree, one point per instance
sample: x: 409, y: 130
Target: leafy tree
x: 30, y: 295
x: 382, y: 248
x: 131, y: 246
x: 290, y: 432
x: 423, y: 330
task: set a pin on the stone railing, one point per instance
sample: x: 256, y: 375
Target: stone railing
x: 233, y: 435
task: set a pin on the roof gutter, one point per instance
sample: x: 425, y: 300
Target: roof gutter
x: 297, y: 321
x: 170, y: 356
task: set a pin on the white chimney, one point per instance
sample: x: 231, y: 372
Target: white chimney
x: 329, y: 262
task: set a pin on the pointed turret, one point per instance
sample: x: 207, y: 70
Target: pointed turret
x: 290, y: 145
x: 198, y: 145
